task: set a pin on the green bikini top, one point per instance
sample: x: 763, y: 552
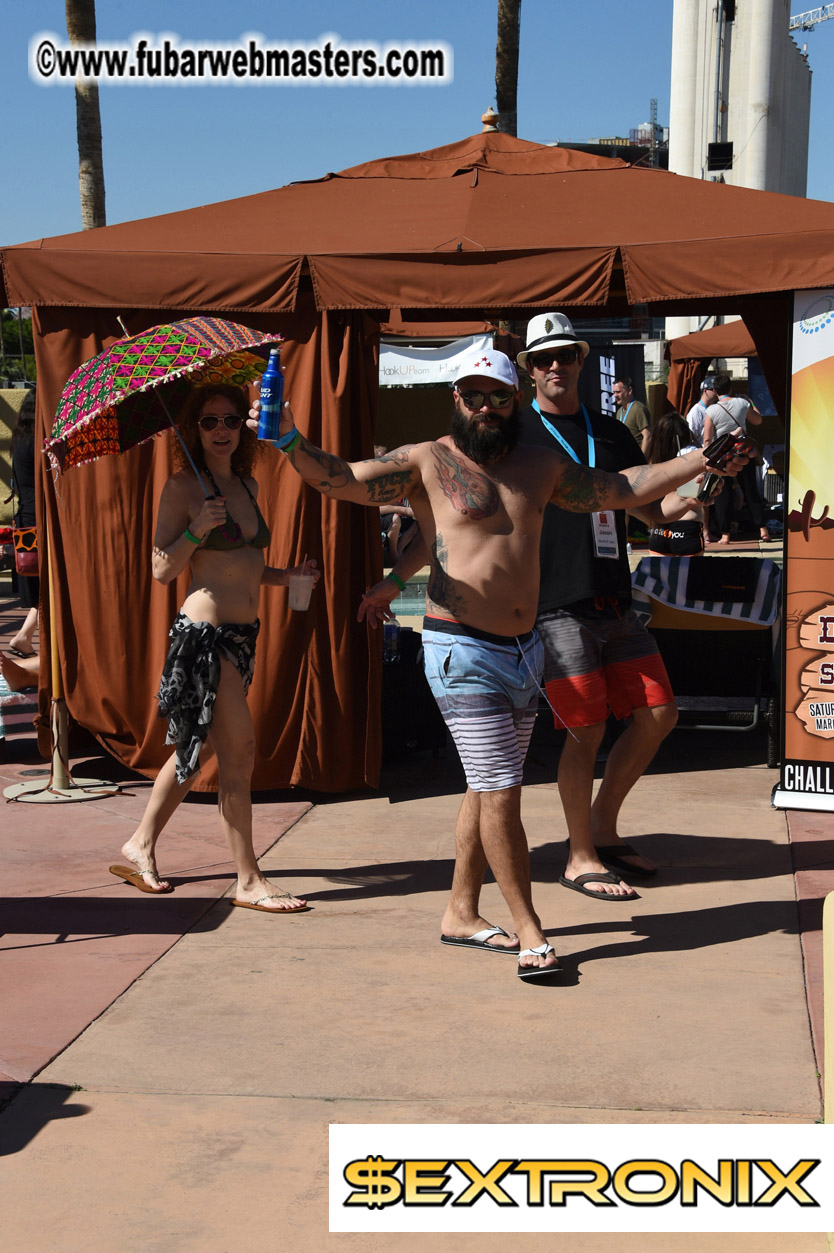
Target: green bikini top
x: 229, y: 535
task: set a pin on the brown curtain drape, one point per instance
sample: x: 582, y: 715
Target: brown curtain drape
x: 683, y: 387
x: 315, y: 697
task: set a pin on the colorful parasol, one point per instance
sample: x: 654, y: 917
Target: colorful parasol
x: 127, y: 393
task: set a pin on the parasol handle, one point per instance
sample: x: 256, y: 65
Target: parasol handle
x: 182, y: 442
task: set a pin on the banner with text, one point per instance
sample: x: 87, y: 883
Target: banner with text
x: 401, y: 366
x: 807, y: 773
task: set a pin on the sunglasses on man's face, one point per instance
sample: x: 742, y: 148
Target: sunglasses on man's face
x: 477, y: 400
x: 231, y: 421
x: 561, y: 356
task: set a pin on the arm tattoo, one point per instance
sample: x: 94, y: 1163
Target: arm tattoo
x: 385, y: 487
x: 441, y: 591
x: 466, y: 490
x: 337, y: 472
x: 389, y: 486
x: 583, y: 490
x: 399, y: 456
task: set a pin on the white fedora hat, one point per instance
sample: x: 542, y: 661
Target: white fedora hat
x: 549, y: 330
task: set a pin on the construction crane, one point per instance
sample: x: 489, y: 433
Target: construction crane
x: 809, y: 19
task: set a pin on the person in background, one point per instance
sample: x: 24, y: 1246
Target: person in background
x: 633, y: 413
x: 696, y: 416
x: 734, y: 414
x: 19, y: 675
x: 397, y: 524
x: 22, y: 643
x: 684, y: 537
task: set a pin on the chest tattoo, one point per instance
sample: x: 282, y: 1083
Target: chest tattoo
x: 468, y: 491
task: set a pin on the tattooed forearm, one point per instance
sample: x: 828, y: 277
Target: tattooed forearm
x: 442, y: 592
x: 337, y: 472
x: 582, y: 490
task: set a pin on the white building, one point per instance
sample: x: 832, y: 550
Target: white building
x: 740, y: 99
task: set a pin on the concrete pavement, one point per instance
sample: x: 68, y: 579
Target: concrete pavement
x: 173, y: 1064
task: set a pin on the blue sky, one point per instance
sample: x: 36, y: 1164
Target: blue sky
x: 585, y: 70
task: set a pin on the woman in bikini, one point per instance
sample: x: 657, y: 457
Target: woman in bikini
x: 209, y: 667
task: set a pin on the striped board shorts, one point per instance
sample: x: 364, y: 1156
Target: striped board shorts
x: 487, y: 689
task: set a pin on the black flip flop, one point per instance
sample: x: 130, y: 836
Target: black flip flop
x: 576, y: 885
x: 15, y: 652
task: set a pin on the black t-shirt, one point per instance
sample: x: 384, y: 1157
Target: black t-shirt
x: 570, y: 569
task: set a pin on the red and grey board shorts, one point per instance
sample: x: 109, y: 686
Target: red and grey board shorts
x: 599, y: 665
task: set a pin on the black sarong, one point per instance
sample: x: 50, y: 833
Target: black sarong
x: 190, y: 678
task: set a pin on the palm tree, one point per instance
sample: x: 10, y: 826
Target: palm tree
x: 81, y: 28
x: 506, y: 64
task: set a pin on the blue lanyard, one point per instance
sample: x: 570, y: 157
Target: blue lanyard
x: 564, y: 442
x: 627, y: 412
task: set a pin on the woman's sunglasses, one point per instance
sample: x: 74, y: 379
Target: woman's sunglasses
x: 231, y: 421
x: 562, y: 356
x: 477, y: 400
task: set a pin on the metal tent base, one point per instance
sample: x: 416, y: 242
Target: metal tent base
x: 51, y: 793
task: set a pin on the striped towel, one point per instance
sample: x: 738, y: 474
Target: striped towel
x: 749, y: 593
x: 17, y: 709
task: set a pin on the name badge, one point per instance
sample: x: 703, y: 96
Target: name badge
x: 605, y: 534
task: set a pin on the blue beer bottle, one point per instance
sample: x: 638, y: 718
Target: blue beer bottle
x: 272, y: 397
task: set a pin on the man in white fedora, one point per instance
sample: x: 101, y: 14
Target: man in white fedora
x: 599, y: 658
x: 479, y: 496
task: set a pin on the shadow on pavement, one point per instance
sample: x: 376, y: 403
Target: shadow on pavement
x: 34, y: 1107
x: 83, y: 917
x: 678, y: 933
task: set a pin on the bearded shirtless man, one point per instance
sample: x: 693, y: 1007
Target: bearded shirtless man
x: 478, y: 497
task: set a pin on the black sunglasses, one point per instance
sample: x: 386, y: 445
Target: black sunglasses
x: 562, y: 356
x: 231, y: 421
x: 477, y: 400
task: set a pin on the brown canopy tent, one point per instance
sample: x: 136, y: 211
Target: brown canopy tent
x: 488, y: 227
x: 689, y: 355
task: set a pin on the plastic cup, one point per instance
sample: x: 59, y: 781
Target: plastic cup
x: 301, y: 589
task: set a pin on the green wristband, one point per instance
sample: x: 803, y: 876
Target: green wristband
x: 395, y: 578
x: 193, y: 539
x: 296, y: 439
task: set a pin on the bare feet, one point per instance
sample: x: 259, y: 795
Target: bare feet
x: 143, y: 858
x: 592, y: 865
x: 269, y: 897
x: 21, y: 645
x: 453, y: 925
x: 19, y: 674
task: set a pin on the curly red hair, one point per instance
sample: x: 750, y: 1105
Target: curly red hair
x: 248, y: 449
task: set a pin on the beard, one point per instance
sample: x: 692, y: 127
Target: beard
x: 485, y: 444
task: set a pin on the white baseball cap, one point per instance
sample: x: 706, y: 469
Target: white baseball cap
x: 549, y: 330
x: 491, y: 365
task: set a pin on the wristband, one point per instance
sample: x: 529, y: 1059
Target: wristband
x: 288, y: 441
x: 193, y: 539
x: 395, y: 578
